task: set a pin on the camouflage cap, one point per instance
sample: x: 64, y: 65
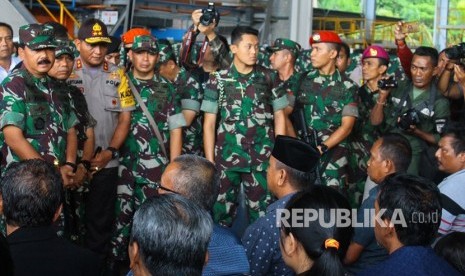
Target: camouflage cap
x: 37, y: 36
x: 283, y: 43
x: 94, y: 31
x: 128, y: 37
x: 145, y: 43
x: 65, y: 47
x: 166, y: 52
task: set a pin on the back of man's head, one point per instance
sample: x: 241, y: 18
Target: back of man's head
x: 239, y: 31
x: 32, y: 193
x: 170, y: 234
x: 197, y: 179
x: 412, y: 204
x: 396, y: 148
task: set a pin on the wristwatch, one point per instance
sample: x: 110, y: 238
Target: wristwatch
x: 323, y: 147
x: 114, y: 152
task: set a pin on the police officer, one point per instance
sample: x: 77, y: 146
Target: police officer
x: 415, y: 108
x: 35, y: 122
x: 284, y: 53
x: 249, y: 114
x: 110, y: 101
x: 189, y: 94
x: 142, y: 159
x: 330, y: 108
x: 375, y: 62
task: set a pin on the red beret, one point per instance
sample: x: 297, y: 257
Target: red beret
x: 325, y: 36
x: 375, y: 51
x: 128, y: 37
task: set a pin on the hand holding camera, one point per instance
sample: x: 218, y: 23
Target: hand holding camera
x: 408, y: 119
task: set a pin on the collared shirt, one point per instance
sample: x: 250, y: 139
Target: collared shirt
x: 412, y: 260
x: 261, y: 242
x: 453, y: 201
x: 4, y: 73
x: 107, y: 94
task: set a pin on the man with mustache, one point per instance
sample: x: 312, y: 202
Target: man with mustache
x: 35, y: 122
x: 110, y: 102
x: 416, y: 97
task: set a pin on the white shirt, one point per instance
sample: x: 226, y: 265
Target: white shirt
x: 4, y: 73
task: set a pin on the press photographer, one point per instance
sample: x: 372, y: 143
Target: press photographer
x: 415, y: 109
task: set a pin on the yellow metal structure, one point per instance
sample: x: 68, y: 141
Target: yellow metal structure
x: 63, y: 11
x: 382, y: 32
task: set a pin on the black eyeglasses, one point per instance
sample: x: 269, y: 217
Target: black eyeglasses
x: 159, y: 186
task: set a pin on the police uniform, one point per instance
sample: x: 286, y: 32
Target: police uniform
x: 142, y: 161
x: 325, y: 101
x: 107, y: 93
x: 244, y: 105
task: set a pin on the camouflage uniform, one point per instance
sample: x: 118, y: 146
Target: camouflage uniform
x: 142, y: 161
x: 189, y: 94
x: 326, y: 99
x: 360, y: 141
x: 244, y: 138
x: 430, y: 122
x: 303, y: 62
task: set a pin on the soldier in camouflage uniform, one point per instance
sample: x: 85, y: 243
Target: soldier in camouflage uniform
x: 303, y: 62
x: 242, y: 100
x: 35, y: 121
x: 110, y: 102
x: 329, y: 104
x: 74, y: 198
x: 188, y: 96
x: 284, y: 53
x: 142, y: 159
x: 375, y: 61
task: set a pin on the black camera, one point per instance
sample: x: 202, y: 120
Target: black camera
x: 388, y: 83
x: 455, y: 52
x: 410, y: 117
x: 209, y: 14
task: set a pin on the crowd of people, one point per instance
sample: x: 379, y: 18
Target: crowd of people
x: 139, y: 156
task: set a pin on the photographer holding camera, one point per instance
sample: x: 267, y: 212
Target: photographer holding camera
x: 375, y: 62
x: 415, y: 109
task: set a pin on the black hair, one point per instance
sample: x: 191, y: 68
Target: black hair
x: 239, y: 31
x: 457, y: 132
x: 8, y: 26
x: 173, y: 234
x: 346, y: 48
x: 312, y: 236
x: 396, y: 148
x: 32, y: 193
x: 414, y: 202
x: 197, y: 179
x: 297, y: 179
x: 431, y: 52
x: 59, y: 30
x: 452, y: 248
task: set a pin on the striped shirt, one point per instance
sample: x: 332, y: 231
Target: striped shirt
x: 453, y: 203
